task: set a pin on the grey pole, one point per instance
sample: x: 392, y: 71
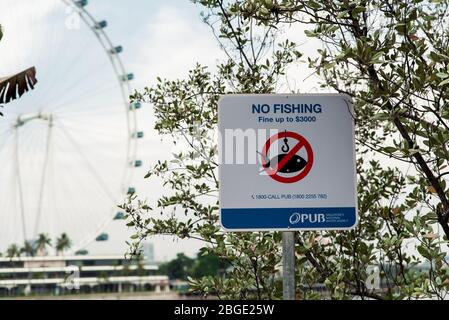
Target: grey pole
x: 288, y: 265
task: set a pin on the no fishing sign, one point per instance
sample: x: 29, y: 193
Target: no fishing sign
x: 287, y: 162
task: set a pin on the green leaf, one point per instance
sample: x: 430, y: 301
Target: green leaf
x: 380, y: 116
x: 401, y: 28
x: 310, y: 33
x: 376, y: 57
x: 390, y: 149
x: 148, y: 175
x: 424, y: 252
x: 342, y: 14
x: 358, y: 9
x: 444, y: 82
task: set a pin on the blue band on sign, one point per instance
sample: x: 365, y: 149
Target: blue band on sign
x: 284, y: 218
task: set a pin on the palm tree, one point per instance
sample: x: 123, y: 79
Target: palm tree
x: 29, y: 248
x: 13, y: 251
x: 63, y: 243
x: 14, y: 86
x: 42, y: 242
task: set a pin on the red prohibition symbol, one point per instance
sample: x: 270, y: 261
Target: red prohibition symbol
x: 283, y: 160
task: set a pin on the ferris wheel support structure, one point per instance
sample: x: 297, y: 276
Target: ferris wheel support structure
x: 123, y: 78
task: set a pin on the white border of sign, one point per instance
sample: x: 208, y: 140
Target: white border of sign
x: 348, y: 100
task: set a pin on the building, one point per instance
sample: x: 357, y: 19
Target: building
x: 148, y: 251
x: 58, y: 275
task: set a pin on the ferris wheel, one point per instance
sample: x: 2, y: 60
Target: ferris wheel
x: 67, y: 148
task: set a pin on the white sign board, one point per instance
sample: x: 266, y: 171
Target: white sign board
x: 287, y: 162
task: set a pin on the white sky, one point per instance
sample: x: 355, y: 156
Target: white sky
x: 165, y: 40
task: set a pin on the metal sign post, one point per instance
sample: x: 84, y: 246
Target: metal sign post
x: 288, y: 265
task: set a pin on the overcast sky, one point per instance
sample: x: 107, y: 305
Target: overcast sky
x: 161, y: 38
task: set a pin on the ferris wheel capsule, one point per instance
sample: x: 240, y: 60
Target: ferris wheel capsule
x: 138, y: 134
x: 102, y: 237
x: 135, y: 105
x: 119, y: 216
x: 101, y: 25
x: 128, y: 77
x: 81, y: 3
x: 116, y: 50
x: 137, y: 163
x: 81, y: 252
